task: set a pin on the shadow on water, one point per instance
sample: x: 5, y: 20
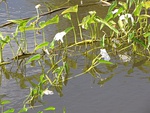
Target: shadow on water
x: 84, y: 85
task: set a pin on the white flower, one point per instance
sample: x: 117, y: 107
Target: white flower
x: 130, y: 16
x: 92, y: 12
x: 59, y: 36
x: 115, y: 11
x: 48, y: 92
x: 104, y: 54
x: 122, y: 17
x: 37, y: 6
x: 125, y: 17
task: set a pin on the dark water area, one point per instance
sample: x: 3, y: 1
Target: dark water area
x: 126, y: 89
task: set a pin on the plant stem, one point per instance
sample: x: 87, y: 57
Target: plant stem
x: 75, y: 36
x: 79, y: 27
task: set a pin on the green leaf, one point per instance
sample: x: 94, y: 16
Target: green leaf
x: 52, y: 44
x: 9, y: 110
x: 5, y: 41
x: 51, y: 108
x: 35, y: 57
x: 2, y: 41
x: 137, y: 10
x: 85, y: 22
x: 67, y: 15
x: 139, y: 42
x: 66, y: 67
x: 24, y: 109
x: 108, y: 25
x: 22, y: 24
x: 146, y: 4
x: 41, y: 45
x: 109, y: 16
x: 58, y: 70
x: 130, y: 36
x: 3, y: 102
x: 130, y: 2
x: 113, y: 5
x: 40, y: 112
x: 147, y: 34
x: 53, y: 20
x: 120, y: 10
x: 71, y: 9
x: 24, y: 27
x: 104, y: 62
x: 124, y: 5
x: 19, y: 21
x: 27, y: 28
x: 42, y: 24
x: 41, y: 77
x: 16, y: 31
x: 68, y: 29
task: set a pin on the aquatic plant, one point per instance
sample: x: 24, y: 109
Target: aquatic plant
x: 3, y: 41
x: 66, y: 14
x: 3, y: 103
x: 130, y: 23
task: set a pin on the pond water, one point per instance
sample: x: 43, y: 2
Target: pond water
x: 126, y: 89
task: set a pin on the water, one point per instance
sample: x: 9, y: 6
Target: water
x: 126, y: 90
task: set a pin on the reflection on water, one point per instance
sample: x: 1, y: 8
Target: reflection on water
x: 123, y: 80
x: 119, y: 88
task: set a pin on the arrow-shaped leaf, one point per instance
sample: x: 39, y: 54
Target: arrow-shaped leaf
x: 41, y: 45
x: 35, y: 57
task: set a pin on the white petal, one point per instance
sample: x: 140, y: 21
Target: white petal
x: 59, y: 36
x: 131, y: 17
x: 48, y: 92
x: 104, y: 54
x: 122, y: 17
x: 125, y: 17
x: 115, y: 11
x: 37, y: 6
